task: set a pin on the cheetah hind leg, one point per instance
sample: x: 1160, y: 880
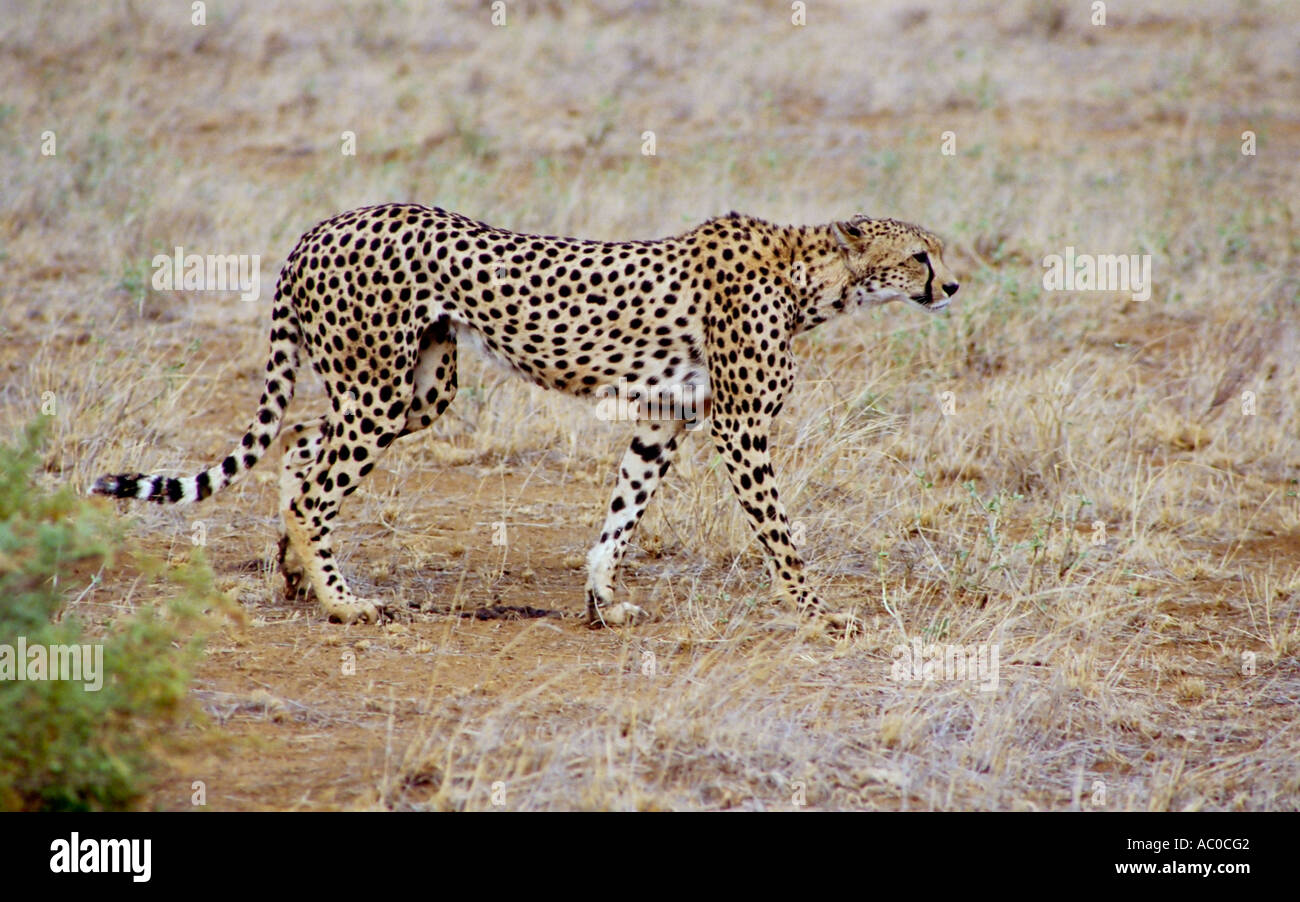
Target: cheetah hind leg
x: 326, y: 460
x: 311, y: 506
x: 299, y: 445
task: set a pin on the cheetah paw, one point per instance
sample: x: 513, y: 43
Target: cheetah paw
x: 622, y: 614
x: 295, y: 582
x: 360, y: 611
x: 842, y: 623
x: 295, y: 575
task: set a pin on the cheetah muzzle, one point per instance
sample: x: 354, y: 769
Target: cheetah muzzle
x: 376, y: 297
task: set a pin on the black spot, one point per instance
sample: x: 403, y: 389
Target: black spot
x: 644, y: 451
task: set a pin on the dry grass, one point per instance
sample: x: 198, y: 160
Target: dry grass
x: 1124, y: 681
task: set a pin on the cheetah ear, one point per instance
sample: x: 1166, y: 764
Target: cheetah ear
x: 845, y: 233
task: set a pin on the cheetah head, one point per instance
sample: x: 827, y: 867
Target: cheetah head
x: 890, y: 260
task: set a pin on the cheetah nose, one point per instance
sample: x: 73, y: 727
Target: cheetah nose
x: 950, y: 289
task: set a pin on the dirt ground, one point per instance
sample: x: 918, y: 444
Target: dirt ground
x: 1149, y: 663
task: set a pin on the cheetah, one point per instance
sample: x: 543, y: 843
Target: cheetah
x: 377, y: 297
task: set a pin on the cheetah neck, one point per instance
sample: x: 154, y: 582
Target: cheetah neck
x: 818, y: 274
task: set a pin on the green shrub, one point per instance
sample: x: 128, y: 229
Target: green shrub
x: 64, y: 746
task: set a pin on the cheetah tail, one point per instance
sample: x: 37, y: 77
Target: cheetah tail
x: 278, y: 392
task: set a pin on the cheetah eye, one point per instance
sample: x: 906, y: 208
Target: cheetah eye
x: 922, y: 257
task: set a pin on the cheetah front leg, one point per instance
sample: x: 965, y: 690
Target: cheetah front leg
x: 743, y: 411
x: 647, y: 459
x: 742, y: 442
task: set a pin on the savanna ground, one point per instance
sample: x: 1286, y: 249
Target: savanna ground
x: 1099, y: 496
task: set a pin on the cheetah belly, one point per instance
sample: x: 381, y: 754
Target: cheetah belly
x: 606, y: 371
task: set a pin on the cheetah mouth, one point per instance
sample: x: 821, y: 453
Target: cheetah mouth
x: 929, y: 302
